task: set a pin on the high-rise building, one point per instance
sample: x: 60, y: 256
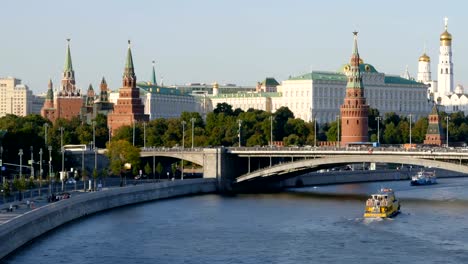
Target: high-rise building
x: 354, y: 110
x: 67, y: 102
x: 15, y: 98
x: 129, y: 108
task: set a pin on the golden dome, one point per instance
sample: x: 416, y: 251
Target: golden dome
x: 425, y: 58
x: 446, y: 38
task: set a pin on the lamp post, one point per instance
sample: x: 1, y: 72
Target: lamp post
x: 271, y: 131
x: 50, y: 169
x: 40, y: 171
x: 32, y: 162
x: 378, y: 118
x: 338, y: 129
x: 46, y: 125
x: 183, y: 134
x: 315, y: 132
x: 447, y: 118
x: 109, y: 129
x: 83, y: 169
x: 94, y: 134
x: 133, y: 133
x: 62, y: 176
x: 410, y: 120
x: 144, y: 135
x: 193, y: 124
x: 154, y: 170
x: 20, y: 154
x: 240, y: 131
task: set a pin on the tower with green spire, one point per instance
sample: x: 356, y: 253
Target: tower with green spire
x: 129, y: 108
x: 68, y: 78
x: 434, y: 133
x: 103, y: 97
x: 354, y: 111
x: 153, y: 77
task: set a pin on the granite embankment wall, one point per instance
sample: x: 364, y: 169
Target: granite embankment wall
x: 24, y: 228
x: 337, y: 177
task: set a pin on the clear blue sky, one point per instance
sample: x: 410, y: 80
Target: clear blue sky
x: 238, y: 41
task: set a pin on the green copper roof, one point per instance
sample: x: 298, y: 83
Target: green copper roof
x: 270, y: 82
x: 317, y: 75
x: 103, y: 81
x: 153, y: 77
x: 90, y: 87
x: 246, y: 95
x: 129, y: 69
x: 50, y: 91
x: 363, y: 67
x: 68, y: 60
x: 399, y: 80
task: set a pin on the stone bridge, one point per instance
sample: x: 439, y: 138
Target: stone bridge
x: 237, y: 165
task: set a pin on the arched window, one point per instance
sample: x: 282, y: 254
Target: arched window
x: 446, y: 70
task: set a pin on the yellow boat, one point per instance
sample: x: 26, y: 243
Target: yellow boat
x: 382, y: 204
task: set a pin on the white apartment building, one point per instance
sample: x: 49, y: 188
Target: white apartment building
x: 15, y: 98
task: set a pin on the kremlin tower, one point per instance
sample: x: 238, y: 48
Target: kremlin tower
x: 68, y: 101
x: 129, y: 108
x: 434, y: 134
x: 354, y: 110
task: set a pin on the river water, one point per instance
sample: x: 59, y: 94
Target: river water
x: 321, y: 224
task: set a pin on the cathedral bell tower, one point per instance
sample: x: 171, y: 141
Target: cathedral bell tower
x: 445, y: 66
x: 354, y: 110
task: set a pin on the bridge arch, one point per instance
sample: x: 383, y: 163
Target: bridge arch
x: 285, y: 168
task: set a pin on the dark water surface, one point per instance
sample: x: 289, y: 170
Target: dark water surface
x: 307, y: 225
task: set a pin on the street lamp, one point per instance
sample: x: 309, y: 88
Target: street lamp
x: 378, y: 118
x: 62, y: 176
x: 183, y: 133
x: 32, y: 162
x: 94, y: 134
x: 410, y: 120
x: 40, y: 171
x: 144, y: 135
x: 338, y: 129
x: 447, y: 118
x: 193, y: 124
x: 240, y: 124
x: 50, y: 169
x: 83, y: 169
x: 315, y: 132
x: 271, y: 131
x: 20, y: 154
x: 46, y: 125
x: 133, y: 133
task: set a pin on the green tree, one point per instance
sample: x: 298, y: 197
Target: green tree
x: 173, y: 169
x: 391, y: 134
x: 159, y: 169
x: 95, y: 177
x: 147, y: 169
x: 223, y: 108
x: 419, y: 130
x: 292, y: 140
x: 332, y: 132
x: 281, y: 117
x: 105, y: 174
x: 121, y: 152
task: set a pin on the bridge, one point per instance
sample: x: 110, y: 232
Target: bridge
x: 238, y: 165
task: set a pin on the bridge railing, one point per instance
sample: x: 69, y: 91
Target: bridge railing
x: 173, y: 149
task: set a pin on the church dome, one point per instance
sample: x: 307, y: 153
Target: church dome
x: 425, y: 58
x: 446, y: 38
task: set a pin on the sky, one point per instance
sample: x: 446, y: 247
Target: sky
x: 228, y: 41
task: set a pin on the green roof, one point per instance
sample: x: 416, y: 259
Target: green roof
x: 68, y: 61
x: 270, y: 82
x: 246, y: 95
x: 400, y: 80
x: 156, y: 89
x: 316, y: 75
x: 363, y: 67
x: 338, y: 76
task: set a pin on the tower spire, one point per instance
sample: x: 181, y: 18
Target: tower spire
x: 68, y: 61
x: 153, y: 77
x: 129, y: 61
x: 355, y: 46
x: 446, y: 22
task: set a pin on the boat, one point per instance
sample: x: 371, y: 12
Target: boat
x: 424, y: 178
x: 382, y: 204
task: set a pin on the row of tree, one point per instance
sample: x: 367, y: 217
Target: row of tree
x: 222, y: 127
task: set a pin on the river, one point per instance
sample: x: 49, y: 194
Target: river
x: 321, y: 224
